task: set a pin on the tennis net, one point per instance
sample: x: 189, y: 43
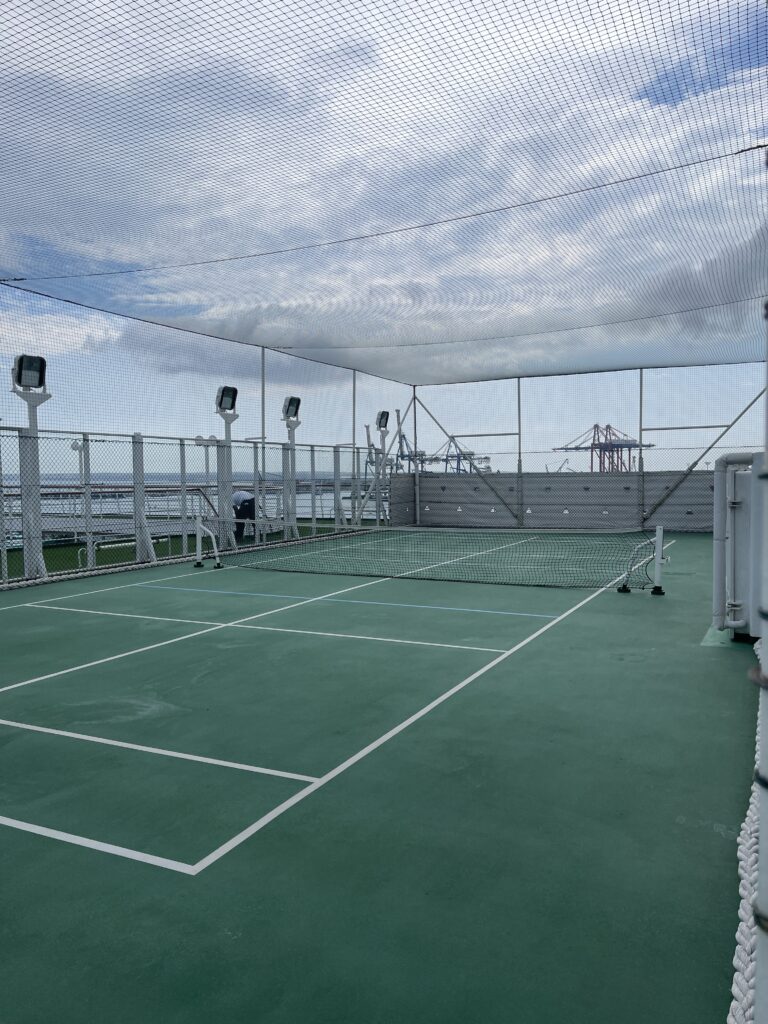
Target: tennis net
x: 521, y: 557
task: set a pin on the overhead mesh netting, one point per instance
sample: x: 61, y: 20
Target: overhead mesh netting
x: 432, y: 192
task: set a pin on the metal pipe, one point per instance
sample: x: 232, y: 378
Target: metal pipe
x: 4, y: 578
x: 483, y: 476
x: 85, y: 469
x: 696, y: 426
x: 416, y: 483
x: 706, y: 451
x: 720, y: 534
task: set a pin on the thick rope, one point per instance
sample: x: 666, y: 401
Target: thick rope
x: 742, y: 1010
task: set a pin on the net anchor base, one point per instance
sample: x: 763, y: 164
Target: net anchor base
x: 657, y: 592
x: 623, y: 589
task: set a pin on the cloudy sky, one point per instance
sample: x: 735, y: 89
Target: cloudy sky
x: 431, y: 192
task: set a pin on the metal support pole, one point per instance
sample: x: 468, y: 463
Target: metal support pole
x: 313, y: 489
x: 263, y: 497
x: 520, y: 497
x: 684, y: 476
x: 339, y: 517
x: 145, y: 551
x: 484, y: 476
x: 287, y: 520
x: 3, y: 533
x: 354, y: 468
x: 29, y: 470
x: 761, y: 677
x: 416, y: 482
x: 256, y: 495
x: 31, y: 503
x: 183, y: 497
x: 85, y: 476
x: 640, y: 461
x: 224, y: 508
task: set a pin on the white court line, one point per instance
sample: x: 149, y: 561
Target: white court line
x: 185, y: 636
x: 286, y: 805
x: 94, y: 844
x: 156, y: 750
x: 383, y: 639
x: 103, y: 590
x: 268, y: 629
x: 236, y: 622
x: 265, y: 820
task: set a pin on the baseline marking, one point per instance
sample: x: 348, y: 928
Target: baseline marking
x: 157, y: 750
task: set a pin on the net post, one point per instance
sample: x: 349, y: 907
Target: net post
x: 85, y: 456
x: 658, y: 562
x: 145, y: 551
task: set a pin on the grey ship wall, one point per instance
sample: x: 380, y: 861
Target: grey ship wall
x: 555, y: 500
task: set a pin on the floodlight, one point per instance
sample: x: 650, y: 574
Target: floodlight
x: 226, y: 399
x: 29, y: 372
x: 382, y: 420
x: 291, y: 408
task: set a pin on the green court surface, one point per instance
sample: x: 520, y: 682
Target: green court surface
x: 250, y: 795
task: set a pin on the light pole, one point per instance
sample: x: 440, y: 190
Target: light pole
x: 28, y: 384
x: 291, y: 419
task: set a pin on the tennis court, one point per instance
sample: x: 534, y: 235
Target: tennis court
x: 259, y: 795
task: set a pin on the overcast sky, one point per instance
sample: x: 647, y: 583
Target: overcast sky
x: 142, y: 137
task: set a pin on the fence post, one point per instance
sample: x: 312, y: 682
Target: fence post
x: 4, y: 577
x: 286, y: 448
x: 339, y: 517
x: 145, y: 551
x: 90, y: 547
x: 224, y: 495
x: 183, y: 496
x: 31, y: 503
x: 312, y: 489
x: 640, y: 460
x: 520, y: 496
x: 416, y: 484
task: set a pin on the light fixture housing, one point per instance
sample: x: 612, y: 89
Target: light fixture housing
x: 226, y: 399
x: 29, y: 371
x: 291, y: 408
x: 382, y: 419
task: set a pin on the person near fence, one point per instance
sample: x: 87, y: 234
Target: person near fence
x: 244, y: 507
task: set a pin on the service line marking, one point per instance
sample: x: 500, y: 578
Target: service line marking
x: 184, y: 636
x: 95, y: 844
x: 351, y: 600
x: 156, y: 750
x: 270, y: 629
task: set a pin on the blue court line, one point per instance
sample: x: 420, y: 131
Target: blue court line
x: 341, y: 600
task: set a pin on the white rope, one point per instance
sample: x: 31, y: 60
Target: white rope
x: 742, y: 1010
